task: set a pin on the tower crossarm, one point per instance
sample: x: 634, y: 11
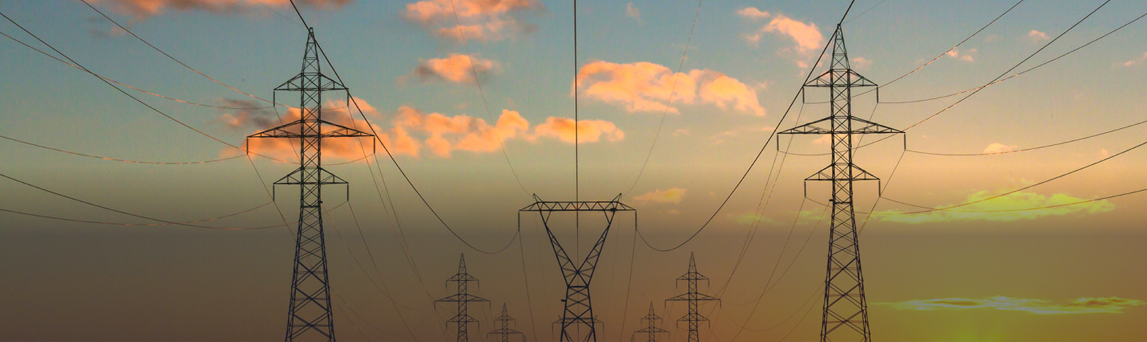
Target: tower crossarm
x: 461, y: 298
x: 685, y: 297
x: 295, y: 130
x: 840, y: 78
x: 310, y: 81
x: 859, y: 126
x: 552, y: 206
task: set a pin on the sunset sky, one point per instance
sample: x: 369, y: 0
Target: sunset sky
x: 477, y: 108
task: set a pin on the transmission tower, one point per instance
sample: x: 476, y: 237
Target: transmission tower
x: 578, y: 322
x: 463, y: 298
x: 310, y: 310
x: 844, y: 302
x: 505, y: 331
x: 694, y: 298
x: 651, y: 329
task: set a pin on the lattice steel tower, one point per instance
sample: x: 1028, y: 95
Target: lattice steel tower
x: 310, y: 310
x: 694, y: 298
x: 463, y: 298
x: 505, y: 331
x: 844, y: 302
x: 578, y: 313
x: 651, y: 329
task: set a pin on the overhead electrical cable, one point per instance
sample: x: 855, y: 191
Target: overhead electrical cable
x: 755, y: 159
x: 477, y: 81
x: 672, y: 91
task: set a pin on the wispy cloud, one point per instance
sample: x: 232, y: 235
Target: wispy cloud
x: 1007, y: 208
x: 143, y: 9
x: 998, y: 148
x: 671, y: 195
x: 753, y: 13
x: 632, y: 11
x: 1037, y: 37
x: 1136, y: 61
x: 966, y: 56
x: 1085, y: 305
x: 485, y: 20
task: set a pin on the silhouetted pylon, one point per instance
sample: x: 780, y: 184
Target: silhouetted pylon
x: 463, y: 298
x: 844, y: 303
x: 694, y: 298
x: 505, y: 331
x: 651, y: 329
x: 310, y: 309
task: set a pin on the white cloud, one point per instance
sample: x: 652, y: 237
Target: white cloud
x: 861, y: 63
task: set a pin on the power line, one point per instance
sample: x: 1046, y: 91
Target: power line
x: 1015, y: 66
x: 1029, y: 148
x: 672, y: 91
x: 171, y: 57
x: 474, y: 69
x: 758, y: 157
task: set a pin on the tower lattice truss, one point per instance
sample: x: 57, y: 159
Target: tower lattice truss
x: 463, y: 298
x: 309, y: 315
x: 693, y: 297
x: 845, y: 316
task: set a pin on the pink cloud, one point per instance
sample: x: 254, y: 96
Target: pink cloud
x: 1037, y: 36
x: 753, y: 13
x: 807, y: 36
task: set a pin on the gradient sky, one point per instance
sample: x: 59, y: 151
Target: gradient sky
x: 1069, y: 273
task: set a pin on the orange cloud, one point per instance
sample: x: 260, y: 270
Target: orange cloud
x: 457, y: 68
x: 477, y: 19
x: 143, y: 9
x: 1037, y: 36
x: 587, y: 130
x: 671, y: 195
x: 998, y: 148
x: 967, y: 56
x: 461, y: 132
x: 807, y: 37
x: 645, y: 87
x: 1034, y: 306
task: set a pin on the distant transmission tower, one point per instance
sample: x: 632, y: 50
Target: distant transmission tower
x: 310, y: 309
x: 651, y: 329
x: 694, y: 298
x: 578, y: 322
x: 463, y: 298
x: 505, y: 331
x: 844, y: 302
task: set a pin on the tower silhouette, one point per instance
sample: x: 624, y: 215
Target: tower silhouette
x: 310, y: 307
x: 694, y: 298
x: 505, y: 331
x: 463, y: 298
x: 651, y: 329
x: 578, y: 312
x: 844, y: 302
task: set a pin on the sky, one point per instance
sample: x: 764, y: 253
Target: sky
x: 675, y: 101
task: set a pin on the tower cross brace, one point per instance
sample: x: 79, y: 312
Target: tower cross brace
x: 844, y: 303
x: 309, y: 313
x: 694, y: 297
x: 463, y: 298
x: 578, y: 312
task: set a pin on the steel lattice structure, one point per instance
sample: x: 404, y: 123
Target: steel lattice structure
x: 844, y: 302
x: 694, y: 297
x: 578, y: 313
x: 505, y: 331
x: 310, y: 307
x: 463, y: 298
x: 651, y: 329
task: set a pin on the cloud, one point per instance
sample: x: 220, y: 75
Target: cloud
x: 587, y: 130
x: 143, y: 9
x: 671, y: 195
x: 967, y: 56
x: 807, y: 36
x: 457, y: 68
x: 1007, y: 208
x: 861, y: 63
x: 1037, y: 36
x: 1035, y: 306
x: 485, y: 20
x: 632, y: 11
x: 645, y: 87
x: 1136, y: 61
x: 753, y: 13
x: 998, y: 148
